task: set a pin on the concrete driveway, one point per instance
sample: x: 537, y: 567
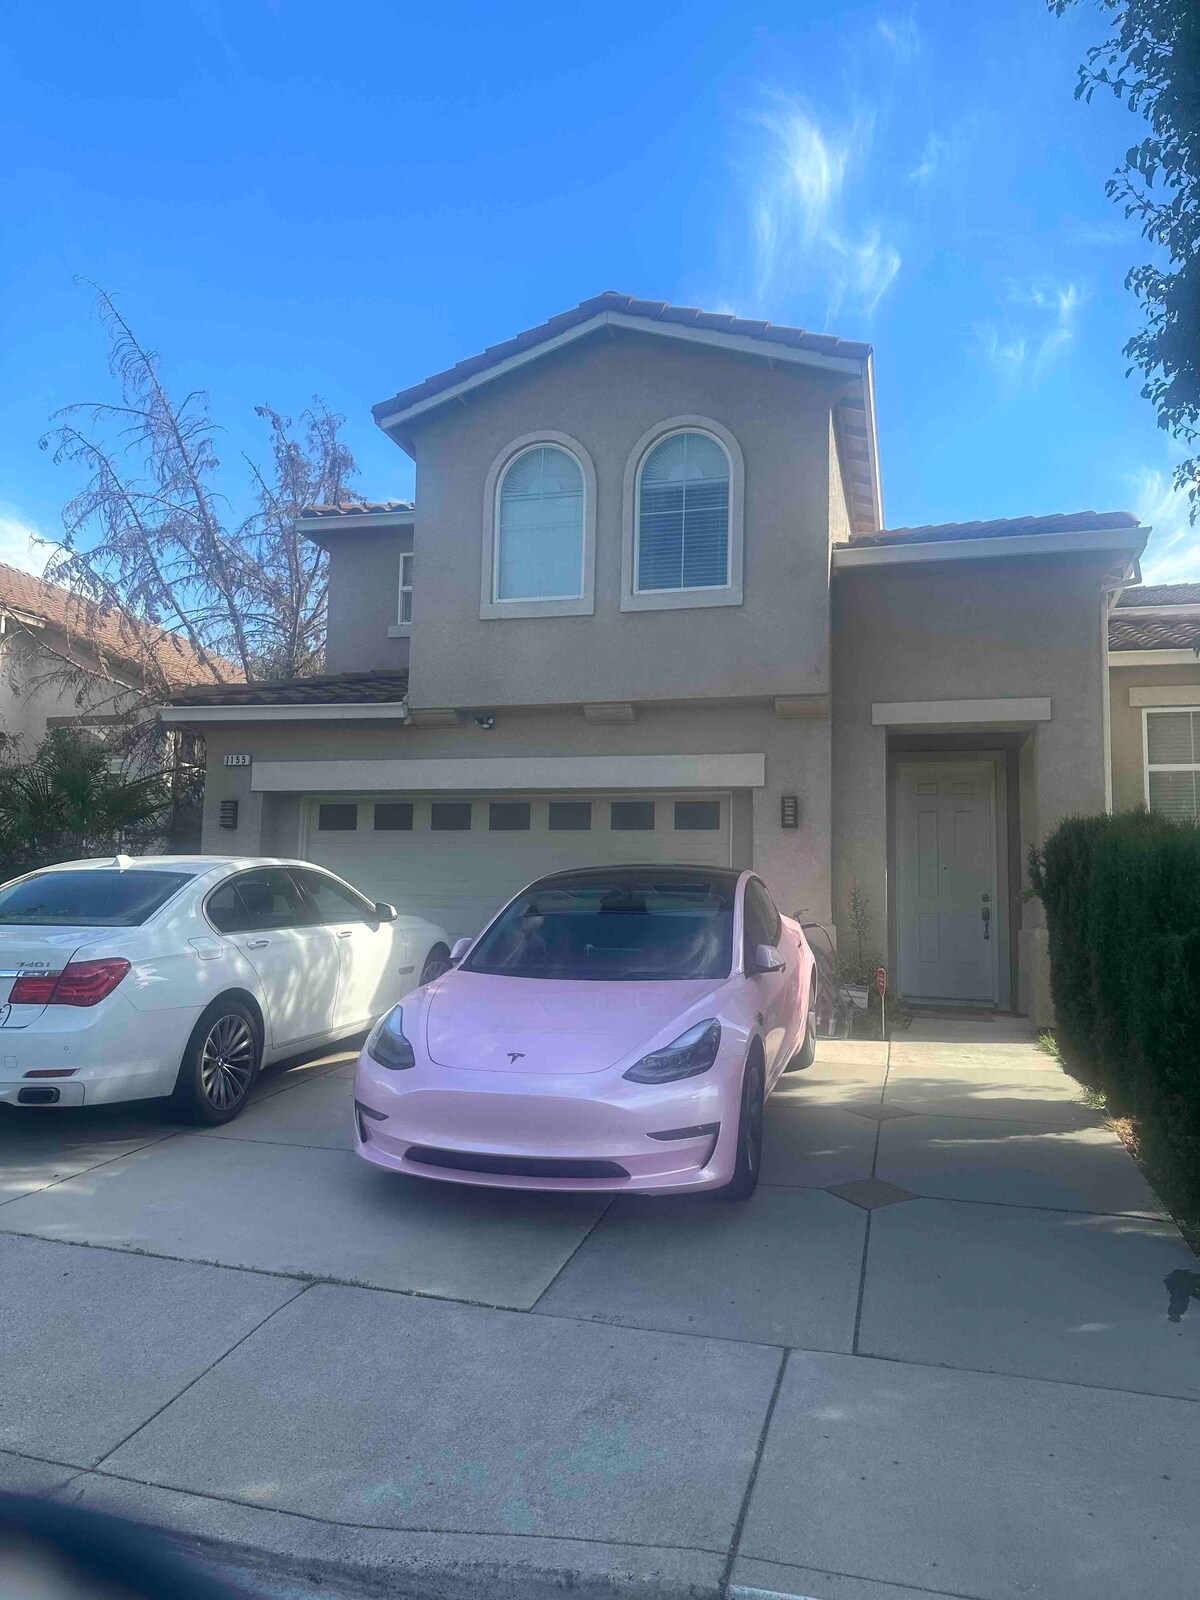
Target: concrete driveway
x: 938, y: 1353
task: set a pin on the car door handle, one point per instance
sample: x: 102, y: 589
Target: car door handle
x: 345, y: 933
x: 257, y: 944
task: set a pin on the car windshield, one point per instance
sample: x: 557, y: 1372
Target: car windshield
x: 613, y: 928
x: 92, y: 898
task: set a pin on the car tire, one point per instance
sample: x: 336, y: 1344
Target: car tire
x: 220, y: 1064
x: 436, y: 962
x: 807, y: 1053
x: 749, y: 1135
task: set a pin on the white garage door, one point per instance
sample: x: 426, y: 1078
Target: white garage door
x: 456, y: 859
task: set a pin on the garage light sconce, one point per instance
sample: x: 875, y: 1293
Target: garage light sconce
x: 487, y: 722
x: 229, y: 814
x: 789, y: 811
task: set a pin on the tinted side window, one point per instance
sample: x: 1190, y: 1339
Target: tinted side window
x: 758, y: 919
x: 332, y: 901
x: 266, y: 898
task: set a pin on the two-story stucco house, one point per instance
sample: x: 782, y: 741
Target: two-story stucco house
x: 645, y: 609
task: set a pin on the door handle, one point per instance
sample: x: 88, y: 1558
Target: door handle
x: 345, y: 933
x: 257, y: 944
x: 986, y: 914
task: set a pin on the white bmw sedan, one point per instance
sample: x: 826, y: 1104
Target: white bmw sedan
x: 126, y: 979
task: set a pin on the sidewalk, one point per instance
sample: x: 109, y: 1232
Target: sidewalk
x: 932, y: 1356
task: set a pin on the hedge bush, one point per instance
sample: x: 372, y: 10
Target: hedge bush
x: 1122, y: 899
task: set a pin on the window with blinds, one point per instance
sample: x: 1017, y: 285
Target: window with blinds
x: 1173, y: 764
x: 539, y: 544
x: 683, y: 515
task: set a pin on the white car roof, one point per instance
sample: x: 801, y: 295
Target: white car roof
x: 196, y: 865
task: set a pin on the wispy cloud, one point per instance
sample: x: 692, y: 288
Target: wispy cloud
x: 900, y: 34
x: 932, y: 158
x: 18, y: 544
x: 1038, y: 327
x: 1173, y: 553
x: 812, y: 235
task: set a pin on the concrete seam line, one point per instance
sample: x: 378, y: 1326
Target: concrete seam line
x: 291, y: 1300
x: 565, y: 1264
x: 744, y: 1508
x: 161, y: 1139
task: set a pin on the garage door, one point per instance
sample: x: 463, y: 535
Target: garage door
x: 456, y: 859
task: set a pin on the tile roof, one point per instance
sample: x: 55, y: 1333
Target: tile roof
x: 337, y: 688
x: 1160, y: 594
x: 1002, y: 528
x: 115, y: 633
x: 358, y: 508
x: 1132, y: 632
x: 628, y: 305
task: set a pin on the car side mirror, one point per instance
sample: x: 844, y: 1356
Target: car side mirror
x: 768, y: 959
x: 385, y: 911
x: 459, y: 950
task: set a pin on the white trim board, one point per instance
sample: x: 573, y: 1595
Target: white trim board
x: 1153, y: 658
x: 847, y: 557
x: 311, y: 527
x: 967, y: 713
x: 512, y: 772
x: 383, y: 710
x: 1163, y: 696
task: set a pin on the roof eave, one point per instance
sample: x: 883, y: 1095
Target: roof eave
x: 1126, y: 540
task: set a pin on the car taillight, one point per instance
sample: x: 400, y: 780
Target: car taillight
x: 80, y: 983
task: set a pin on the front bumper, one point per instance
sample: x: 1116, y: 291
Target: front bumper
x: 537, y: 1129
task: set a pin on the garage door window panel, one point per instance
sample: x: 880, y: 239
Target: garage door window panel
x: 632, y: 816
x: 570, y: 816
x: 337, y: 817
x: 697, y: 816
x: 450, y: 816
x: 393, y: 816
x: 509, y: 816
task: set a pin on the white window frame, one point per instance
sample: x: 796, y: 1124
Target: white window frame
x: 1163, y: 766
x: 406, y: 561
x: 580, y: 605
x: 730, y: 594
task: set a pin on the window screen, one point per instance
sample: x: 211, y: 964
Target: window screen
x: 337, y: 817
x: 450, y: 816
x: 697, y: 816
x: 632, y: 816
x: 393, y: 816
x: 570, y: 816
x: 508, y: 816
x: 683, y: 515
x: 1173, y: 764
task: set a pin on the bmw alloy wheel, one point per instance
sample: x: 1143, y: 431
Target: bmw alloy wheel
x: 227, y: 1062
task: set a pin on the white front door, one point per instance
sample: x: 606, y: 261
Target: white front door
x: 946, y: 891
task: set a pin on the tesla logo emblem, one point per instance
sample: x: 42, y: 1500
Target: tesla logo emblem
x: 516, y: 1055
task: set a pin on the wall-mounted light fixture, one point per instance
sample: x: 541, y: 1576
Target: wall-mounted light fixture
x: 789, y: 811
x: 229, y: 814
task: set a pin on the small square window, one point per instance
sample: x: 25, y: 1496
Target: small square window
x: 570, y: 816
x: 450, y: 816
x: 632, y: 816
x: 509, y: 816
x: 697, y: 816
x: 337, y: 817
x: 393, y: 816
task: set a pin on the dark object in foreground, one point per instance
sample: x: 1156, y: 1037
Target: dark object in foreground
x: 62, y: 1552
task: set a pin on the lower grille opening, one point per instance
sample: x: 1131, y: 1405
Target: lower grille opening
x: 513, y: 1166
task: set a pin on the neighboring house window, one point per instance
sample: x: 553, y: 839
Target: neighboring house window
x: 683, y: 515
x: 406, y: 579
x: 1173, y: 764
x: 539, y: 533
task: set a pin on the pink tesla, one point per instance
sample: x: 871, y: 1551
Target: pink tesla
x: 611, y: 1029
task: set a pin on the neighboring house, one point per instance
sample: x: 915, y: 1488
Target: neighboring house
x: 65, y: 664
x: 1154, y: 657
x: 644, y: 609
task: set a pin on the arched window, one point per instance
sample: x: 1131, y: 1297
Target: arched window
x: 683, y: 515
x: 539, y: 527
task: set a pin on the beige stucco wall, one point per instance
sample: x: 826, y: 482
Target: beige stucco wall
x: 962, y: 631
x: 364, y: 600
x: 1128, y: 755
x: 795, y: 863
x: 607, y: 393
x: 30, y: 696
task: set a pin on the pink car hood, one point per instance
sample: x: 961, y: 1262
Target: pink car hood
x: 479, y: 1022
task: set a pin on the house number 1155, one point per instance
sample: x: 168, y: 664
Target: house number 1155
x: 237, y: 761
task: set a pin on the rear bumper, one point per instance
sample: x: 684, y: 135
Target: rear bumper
x: 517, y: 1131
x: 112, y: 1052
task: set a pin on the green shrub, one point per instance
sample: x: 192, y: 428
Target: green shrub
x: 1122, y: 899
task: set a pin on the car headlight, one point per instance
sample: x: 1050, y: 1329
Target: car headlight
x: 692, y: 1053
x: 387, y: 1045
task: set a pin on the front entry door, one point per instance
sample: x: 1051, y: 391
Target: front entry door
x: 947, y: 919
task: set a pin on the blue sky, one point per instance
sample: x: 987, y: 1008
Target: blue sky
x: 293, y: 198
